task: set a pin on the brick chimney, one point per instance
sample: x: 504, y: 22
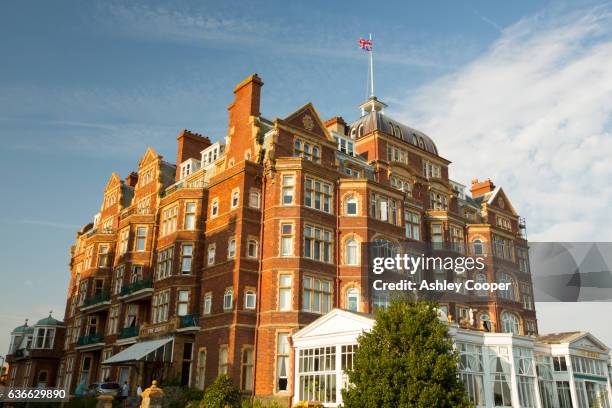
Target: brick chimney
x: 242, y: 113
x: 131, y: 179
x: 190, y: 145
x: 481, y: 187
x: 336, y: 124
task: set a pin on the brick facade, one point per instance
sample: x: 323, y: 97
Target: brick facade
x: 277, y: 207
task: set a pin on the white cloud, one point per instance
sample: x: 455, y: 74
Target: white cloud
x: 533, y: 114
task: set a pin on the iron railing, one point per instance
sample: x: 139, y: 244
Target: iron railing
x: 136, y: 286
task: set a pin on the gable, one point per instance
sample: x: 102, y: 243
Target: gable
x: 336, y: 323
x: 113, y: 182
x: 590, y: 343
x: 149, y: 157
x: 500, y: 200
x: 306, y: 118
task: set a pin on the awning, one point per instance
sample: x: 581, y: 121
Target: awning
x: 152, y: 350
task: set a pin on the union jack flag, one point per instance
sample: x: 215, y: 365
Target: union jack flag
x: 365, y: 45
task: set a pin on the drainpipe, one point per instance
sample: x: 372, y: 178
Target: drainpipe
x: 338, y: 241
x: 259, y: 278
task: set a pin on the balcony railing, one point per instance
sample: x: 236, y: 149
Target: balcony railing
x: 136, y: 286
x: 138, y: 211
x: 100, y: 231
x: 128, y: 332
x: 188, y: 321
x: 97, y: 298
x: 193, y: 184
x: 91, y: 339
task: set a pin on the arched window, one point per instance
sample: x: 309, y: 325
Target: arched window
x: 228, y: 299
x: 360, y: 131
x: 481, y: 278
x: 478, y: 247
x: 509, y: 293
x: 352, y: 252
x: 352, y: 299
x: 398, y: 132
x: 350, y: 206
x: 510, y: 323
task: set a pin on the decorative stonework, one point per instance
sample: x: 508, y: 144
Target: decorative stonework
x: 308, y: 122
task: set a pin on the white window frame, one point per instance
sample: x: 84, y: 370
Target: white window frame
x: 189, y: 220
x: 211, y: 254
x: 231, y: 248
x: 285, y: 292
x: 250, y: 297
x: 214, y: 208
x: 207, y: 307
x: 228, y: 299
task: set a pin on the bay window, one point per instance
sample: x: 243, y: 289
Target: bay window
x: 182, y: 307
x: 286, y: 248
x: 317, y: 244
x: 318, y: 195
x: 190, y: 216
x: 284, y: 292
x: 186, y: 258
x: 282, y: 362
x: 316, y: 295
x: 288, y: 190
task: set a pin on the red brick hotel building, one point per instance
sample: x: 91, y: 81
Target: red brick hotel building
x: 208, y: 265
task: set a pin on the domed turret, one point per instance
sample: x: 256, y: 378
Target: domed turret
x: 373, y: 118
x: 49, y: 321
x: 24, y: 328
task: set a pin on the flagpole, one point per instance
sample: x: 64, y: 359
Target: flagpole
x: 371, y: 68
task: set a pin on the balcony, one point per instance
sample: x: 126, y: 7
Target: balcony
x: 198, y: 184
x: 90, y: 340
x: 143, y: 288
x: 188, y: 323
x: 135, y: 211
x: 97, y: 300
x: 128, y: 332
x: 94, y: 231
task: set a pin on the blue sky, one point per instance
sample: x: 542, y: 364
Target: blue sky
x: 85, y: 87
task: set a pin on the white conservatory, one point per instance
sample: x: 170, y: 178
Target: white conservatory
x: 566, y: 370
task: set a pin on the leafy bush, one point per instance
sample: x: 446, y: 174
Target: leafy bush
x: 262, y: 404
x: 406, y: 360
x: 308, y: 404
x: 220, y: 393
x: 179, y: 397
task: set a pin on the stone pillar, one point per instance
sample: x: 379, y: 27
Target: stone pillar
x: 104, y: 401
x: 152, y: 397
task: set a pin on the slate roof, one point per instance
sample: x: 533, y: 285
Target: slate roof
x: 376, y: 120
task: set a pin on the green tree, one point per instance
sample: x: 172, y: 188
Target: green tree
x: 220, y: 393
x: 407, y: 360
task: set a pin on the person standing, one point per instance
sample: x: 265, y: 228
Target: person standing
x: 125, y: 392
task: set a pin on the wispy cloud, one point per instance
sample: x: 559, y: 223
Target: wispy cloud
x: 213, y: 29
x: 51, y: 224
x: 533, y: 113
x: 487, y: 20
